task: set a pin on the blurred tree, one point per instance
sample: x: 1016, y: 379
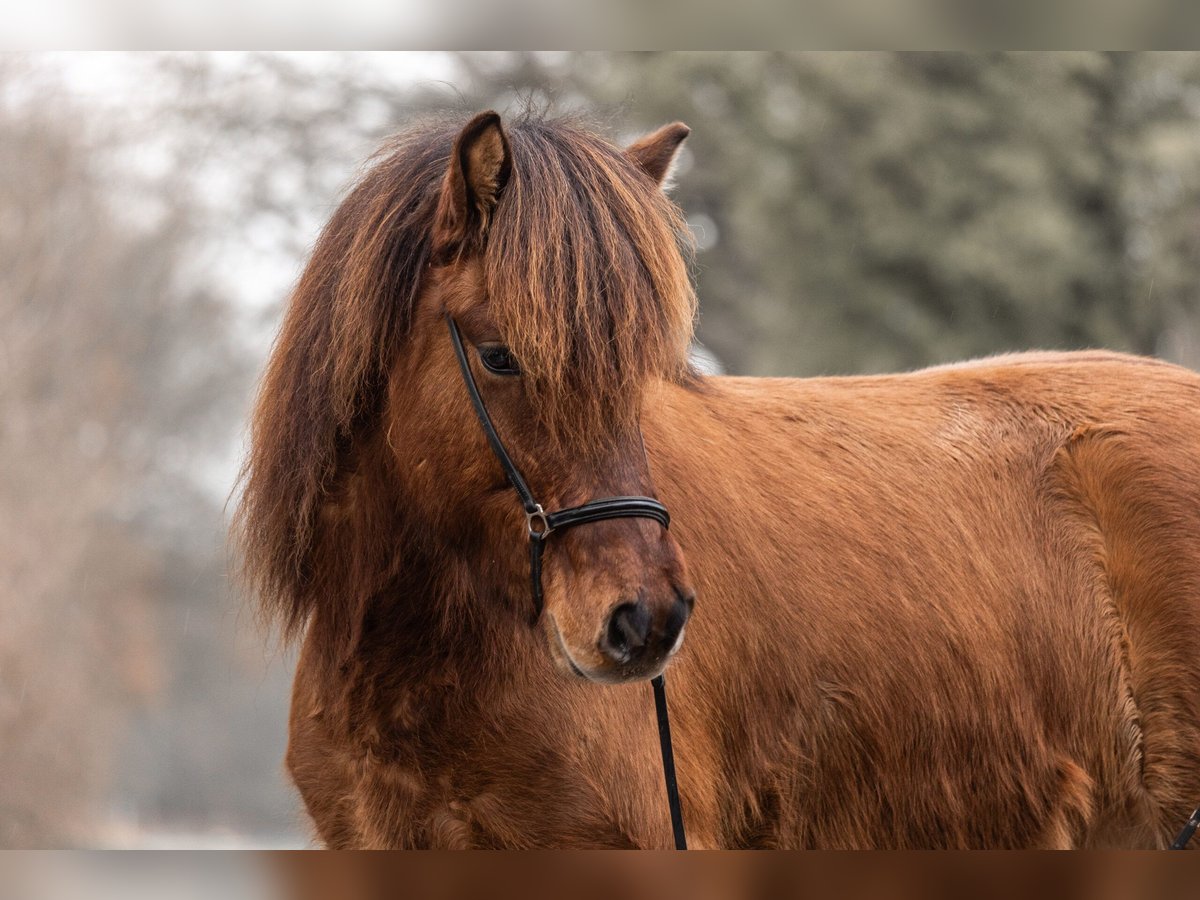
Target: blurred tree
x: 865, y: 212
x: 853, y: 211
x: 1161, y: 197
x: 111, y: 380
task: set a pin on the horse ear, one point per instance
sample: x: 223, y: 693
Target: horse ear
x: 480, y: 164
x: 655, y: 153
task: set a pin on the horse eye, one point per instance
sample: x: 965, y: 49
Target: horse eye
x: 499, y: 360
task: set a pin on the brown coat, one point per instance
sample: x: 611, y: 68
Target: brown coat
x: 955, y: 608
x: 958, y: 608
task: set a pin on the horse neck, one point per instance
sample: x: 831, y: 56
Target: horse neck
x: 395, y: 599
x: 404, y: 648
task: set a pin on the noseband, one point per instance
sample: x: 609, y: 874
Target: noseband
x: 542, y: 524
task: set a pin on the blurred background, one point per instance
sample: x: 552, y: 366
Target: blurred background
x: 853, y: 212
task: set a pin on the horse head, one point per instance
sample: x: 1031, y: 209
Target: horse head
x: 535, y: 260
x: 562, y: 264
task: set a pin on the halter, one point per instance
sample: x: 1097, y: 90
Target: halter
x: 542, y: 524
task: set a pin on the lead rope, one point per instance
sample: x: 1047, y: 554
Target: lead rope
x: 1189, y: 829
x: 668, y: 757
x: 592, y: 511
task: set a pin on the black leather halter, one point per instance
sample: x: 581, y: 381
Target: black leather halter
x: 542, y: 524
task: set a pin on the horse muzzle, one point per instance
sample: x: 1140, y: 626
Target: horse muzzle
x: 637, y: 640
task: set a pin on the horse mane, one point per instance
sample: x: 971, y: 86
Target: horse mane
x: 586, y: 277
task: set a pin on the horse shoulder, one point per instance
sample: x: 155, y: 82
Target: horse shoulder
x: 1129, y: 491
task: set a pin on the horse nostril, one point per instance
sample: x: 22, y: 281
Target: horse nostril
x: 676, y: 619
x: 628, y: 629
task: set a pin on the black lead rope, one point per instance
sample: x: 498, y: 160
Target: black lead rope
x: 542, y: 524
x: 1189, y: 829
x: 668, y: 758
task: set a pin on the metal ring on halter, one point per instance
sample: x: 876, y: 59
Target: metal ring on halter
x: 535, y: 515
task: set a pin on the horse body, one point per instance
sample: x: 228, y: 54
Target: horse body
x: 954, y: 608
x: 983, y: 582
x: 959, y: 607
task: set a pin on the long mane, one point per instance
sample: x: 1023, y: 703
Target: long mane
x: 586, y: 276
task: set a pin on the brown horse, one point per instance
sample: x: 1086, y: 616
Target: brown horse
x: 954, y: 608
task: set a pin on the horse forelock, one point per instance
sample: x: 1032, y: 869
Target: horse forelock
x: 586, y: 277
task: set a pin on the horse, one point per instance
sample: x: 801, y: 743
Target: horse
x: 952, y: 608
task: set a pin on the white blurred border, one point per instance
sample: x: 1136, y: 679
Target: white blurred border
x: 598, y: 24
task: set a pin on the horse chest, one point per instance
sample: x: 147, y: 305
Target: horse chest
x: 439, y: 772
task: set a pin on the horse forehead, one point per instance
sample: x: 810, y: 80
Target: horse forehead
x: 461, y: 287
